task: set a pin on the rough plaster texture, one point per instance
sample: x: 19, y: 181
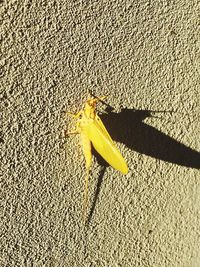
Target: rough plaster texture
x: 145, y: 55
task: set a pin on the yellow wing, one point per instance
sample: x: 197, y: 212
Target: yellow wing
x: 104, y: 144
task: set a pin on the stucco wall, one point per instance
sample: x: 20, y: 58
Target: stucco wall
x: 145, y: 56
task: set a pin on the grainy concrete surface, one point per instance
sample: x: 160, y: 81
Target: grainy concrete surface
x: 145, y: 55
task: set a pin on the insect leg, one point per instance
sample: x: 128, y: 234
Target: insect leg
x: 76, y: 131
x: 86, y: 144
x: 74, y: 115
x: 102, y: 97
x: 71, y: 132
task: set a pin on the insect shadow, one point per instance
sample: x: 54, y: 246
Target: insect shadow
x: 128, y: 127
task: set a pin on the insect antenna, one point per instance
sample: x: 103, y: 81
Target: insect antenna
x: 109, y: 108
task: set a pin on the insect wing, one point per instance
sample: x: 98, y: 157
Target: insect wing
x: 104, y: 145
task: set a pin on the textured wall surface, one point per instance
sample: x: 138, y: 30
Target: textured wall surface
x: 146, y: 56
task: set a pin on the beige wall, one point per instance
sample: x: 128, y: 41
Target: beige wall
x: 145, y: 55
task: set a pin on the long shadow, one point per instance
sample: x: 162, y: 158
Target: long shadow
x: 128, y: 127
x: 103, y: 164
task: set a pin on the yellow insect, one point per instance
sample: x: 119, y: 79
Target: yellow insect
x: 92, y: 131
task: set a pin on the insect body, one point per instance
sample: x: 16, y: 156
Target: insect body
x: 92, y: 131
